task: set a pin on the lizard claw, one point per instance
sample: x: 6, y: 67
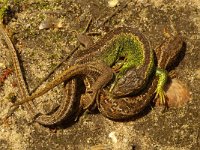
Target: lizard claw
x: 161, y: 95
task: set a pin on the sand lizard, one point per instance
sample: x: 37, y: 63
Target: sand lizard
x: 125, y: 44
x: 127, y: 107
x: 131, y: 46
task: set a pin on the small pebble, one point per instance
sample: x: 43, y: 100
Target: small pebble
x: 50, y: 23
x: 2, y: 66
x: 197, y: 73
x: 113, y: 137
x: 113, y: 3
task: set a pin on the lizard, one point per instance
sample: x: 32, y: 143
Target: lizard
x: 67, y: 107
x: 127, y: 96
x: 126, y: 107
x: 100, y: 51
x: 49, y: 119
x: 104, y: 51
x: 20, y: 79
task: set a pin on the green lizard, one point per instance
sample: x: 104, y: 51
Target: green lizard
x: 126, y: 107
x: 122, y: 44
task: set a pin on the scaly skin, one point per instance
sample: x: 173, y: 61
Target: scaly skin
x: 126, y: 107
x: 20, y: 80
x: 100, y: 72
x: 117, y: 104
x: 127, y: 44
x: 122, y: 43
x: 133, y: 76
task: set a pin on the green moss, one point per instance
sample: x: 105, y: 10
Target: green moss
x: 3, y: 8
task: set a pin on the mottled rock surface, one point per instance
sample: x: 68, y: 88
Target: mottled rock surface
x: 41, y: 49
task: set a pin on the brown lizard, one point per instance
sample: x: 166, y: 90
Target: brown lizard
x: 127, y: 107
x: 117, y: 44
x: 110, y: 53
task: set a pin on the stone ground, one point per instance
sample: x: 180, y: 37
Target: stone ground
x: 40, y: 50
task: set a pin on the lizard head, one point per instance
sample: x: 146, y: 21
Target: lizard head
x: 131, y: 82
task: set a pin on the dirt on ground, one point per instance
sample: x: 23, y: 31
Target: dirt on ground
x: 44, y: 32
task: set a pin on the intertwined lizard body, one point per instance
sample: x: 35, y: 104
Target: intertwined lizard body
x: 122, y: 43
x: 138, y: 65
x: 126, y: 107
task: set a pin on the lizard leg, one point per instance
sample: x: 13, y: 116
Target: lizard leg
x: 106, y: 74
x: 97, y: 80
x: 162, y: 75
